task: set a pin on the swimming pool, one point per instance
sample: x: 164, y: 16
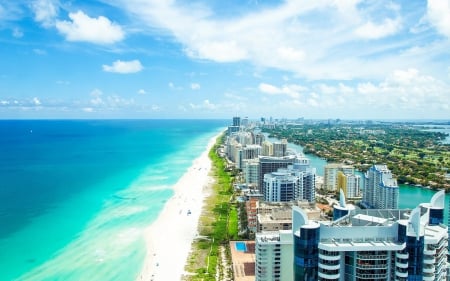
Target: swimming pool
x: 241, y: 246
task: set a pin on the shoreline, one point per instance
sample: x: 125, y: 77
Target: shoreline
x: 169, y: 238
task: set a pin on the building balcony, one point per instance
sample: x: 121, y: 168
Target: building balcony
x: 428, y: 269
x: 401, y: 274
x: 401, y: 265
x: 329, y: 266
x: 428, y: 277
x: 429, y: 252
x: 428, y: 261
x: 329, y: 258
x: 329, y: 276
x: 402, y: 256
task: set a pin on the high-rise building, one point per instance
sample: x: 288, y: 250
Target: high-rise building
x: 380, y: 188
x: 250, y: 171
x: 364, y: 244
x: 244, y: 122
x: 274, y: 256
x: 246, y: 153
x: 331, y: 171
x: 308, y: 186
x: 350, y: 184
x: 237, y: 121
x: 280, y: 148
x: 233, y: 129
x: 448, y: 246
x: 267, y: 148
x: 268, y: 164
x: 280, y: 187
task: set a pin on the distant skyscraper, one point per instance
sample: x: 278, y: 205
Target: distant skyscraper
x: 244, y: 122
x: 280, y: 148
x: 259, y: 138
x: 380, y: 189
x: 267, y: 148
x: 237, y: 121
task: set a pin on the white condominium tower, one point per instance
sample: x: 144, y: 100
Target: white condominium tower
x: 349, y: 184
x: 290, y: 184
x: 380, y: 189
x: 331, y: 171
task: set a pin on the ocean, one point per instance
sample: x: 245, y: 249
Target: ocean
x: 76, y: 195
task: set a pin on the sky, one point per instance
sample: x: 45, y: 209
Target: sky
x: 347, y: 59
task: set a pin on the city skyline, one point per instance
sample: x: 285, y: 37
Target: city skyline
x: 212, y: 59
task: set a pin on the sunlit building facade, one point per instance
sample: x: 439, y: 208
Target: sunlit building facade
x: 365, y: 244
x: 380, y: 189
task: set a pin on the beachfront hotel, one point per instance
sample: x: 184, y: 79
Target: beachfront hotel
x: 380, y: 189
x: 369, y: 244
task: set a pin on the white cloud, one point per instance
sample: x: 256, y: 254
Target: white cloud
x: 141, y: 92
x: 317, y: 40
x: 17, y: 32
x: 45, y: 11
x: 291, y: 90
x: 371, y: 30
x: 124, y: 67
x: 206, y: 104
x: 235, y: 97
x: 39, y: 52
x: 96, y: 95
x: 172, y: 86
x: 109, y: 102
x: 36, y: 101
x: 291, y: 54
x: 195, y: 86
x: 221, y: 51
x: 323, y: 88
x: 269, y: 89
x: 404, y: 92
x: 438, y: 14
x: 94, y: 30
x: 87, y: 109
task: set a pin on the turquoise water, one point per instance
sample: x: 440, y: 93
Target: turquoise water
x: 75, y: 196
x: 241, y: 246
x: 410, y: 196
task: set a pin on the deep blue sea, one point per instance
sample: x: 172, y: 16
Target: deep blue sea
x: 76, y: 195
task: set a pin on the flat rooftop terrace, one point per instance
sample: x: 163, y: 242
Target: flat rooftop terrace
x: 243, y: 258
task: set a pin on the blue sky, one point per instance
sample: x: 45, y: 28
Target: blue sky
x: 347, y: 59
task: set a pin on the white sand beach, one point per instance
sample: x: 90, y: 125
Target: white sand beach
x: 169, y: 238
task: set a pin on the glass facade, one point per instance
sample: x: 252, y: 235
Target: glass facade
x: 339, y: 213
x: 306, y: 254
x: 436, y: 216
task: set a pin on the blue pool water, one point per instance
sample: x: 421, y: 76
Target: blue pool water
x: 241, y: 246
